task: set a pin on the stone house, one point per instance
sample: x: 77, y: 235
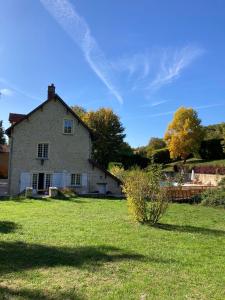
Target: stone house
x: 51, y: 146
x: 4, y: 159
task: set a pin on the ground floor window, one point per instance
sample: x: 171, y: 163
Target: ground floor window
x: 41, y: 181
x: 76, y: 179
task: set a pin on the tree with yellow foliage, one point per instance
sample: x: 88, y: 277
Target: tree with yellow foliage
x: 184, y: 134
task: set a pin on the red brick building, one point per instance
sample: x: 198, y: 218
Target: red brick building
x: 4, y: 160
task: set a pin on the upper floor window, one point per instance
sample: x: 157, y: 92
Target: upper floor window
x: 43, y: 150
x: 68, y: 126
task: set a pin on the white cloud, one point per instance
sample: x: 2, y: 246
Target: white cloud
x: 154, y: 103
x: 77, y: 28
x: 156, y: 67
x: 172, y: 64
x: 12, y: 88
x: 162, y: 114
x: 6, y: 92
x: 157, y: 103
x: 195, y: 107
x: 137, y: 65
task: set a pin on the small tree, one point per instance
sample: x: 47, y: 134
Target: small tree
x: 147, y: 201
x: 108, y: 135
x: 184, y: 133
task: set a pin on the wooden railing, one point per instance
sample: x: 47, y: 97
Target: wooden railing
x: 185, y: 192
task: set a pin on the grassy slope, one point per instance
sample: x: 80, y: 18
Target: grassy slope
x: 196, y: 162
x: 89, y: 249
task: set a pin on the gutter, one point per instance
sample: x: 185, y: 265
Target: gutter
x: 10, y: 164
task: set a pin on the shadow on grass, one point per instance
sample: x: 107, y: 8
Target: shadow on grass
x: 18, y: 256
x: 7, y: 226
x: 45, y: 199
x: 191, y: 229
x: 29, y: 294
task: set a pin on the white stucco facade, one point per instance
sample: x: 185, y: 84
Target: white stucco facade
x: 67, y: 153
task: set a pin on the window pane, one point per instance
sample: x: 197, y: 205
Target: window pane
x: 68, y: 126
x: 72, y: 179
x: 78, y: 179
x: 48, y: 180
x: 40, y: 150
x: 45, y: 151
x: 34, y: 181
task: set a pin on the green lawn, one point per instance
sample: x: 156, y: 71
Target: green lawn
x: 90, y: 249
x: 192, y: 162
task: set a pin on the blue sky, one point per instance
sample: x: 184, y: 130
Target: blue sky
x: 144, y: 59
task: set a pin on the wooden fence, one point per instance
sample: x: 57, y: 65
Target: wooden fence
x: 185, y: 192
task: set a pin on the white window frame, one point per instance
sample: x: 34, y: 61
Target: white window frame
x: 32, y: 181
x: 45, y: 178
x: 42, y: 157
x: 76, y: 176
x: 72, y: 129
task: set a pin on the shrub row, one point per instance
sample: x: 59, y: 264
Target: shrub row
x: 161, y: 156
x: 212, y: 149
x: 220, y: 170
x: 213, y: 198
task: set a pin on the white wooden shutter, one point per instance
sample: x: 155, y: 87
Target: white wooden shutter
x: 84, y: 180
x: 57, y: 180
x: 25, y: 180
x: 68, y: 179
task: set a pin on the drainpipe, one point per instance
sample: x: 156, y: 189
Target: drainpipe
x: 10, y: 163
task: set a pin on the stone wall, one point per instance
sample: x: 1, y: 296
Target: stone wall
x: 208, y: 179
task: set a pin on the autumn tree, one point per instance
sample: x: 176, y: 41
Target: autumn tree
x: 79, y: 110
x: 184, y: 134
x: 108, y: 135
x: 2, y: 136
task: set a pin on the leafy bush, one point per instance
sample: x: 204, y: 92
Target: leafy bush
x: 222, y: 183
x: 118, y: 171
x: 213, y: 198
x: 161, y: 156
x: 147, y: 202
x: 212, y: 149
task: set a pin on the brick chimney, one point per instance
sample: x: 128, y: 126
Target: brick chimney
x: 51, y: 91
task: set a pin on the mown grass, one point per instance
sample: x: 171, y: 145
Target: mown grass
x: 194, y: 162
x: 90, y: 249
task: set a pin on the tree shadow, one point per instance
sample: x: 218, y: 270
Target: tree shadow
x: 190, y: 229
x: 17, y: 256
x: 30, y: 294
x: 8, y: 226
x: 43, y: 199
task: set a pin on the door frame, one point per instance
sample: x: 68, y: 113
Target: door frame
x: 45, y: 177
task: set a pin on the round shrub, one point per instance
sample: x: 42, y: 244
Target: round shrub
x: 147, y: 202
x: 213, y: 197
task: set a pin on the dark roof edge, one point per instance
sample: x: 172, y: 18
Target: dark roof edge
x: 94, y: 163
x: 8, y: 130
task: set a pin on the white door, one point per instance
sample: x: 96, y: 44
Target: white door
x: 102, y: 188
x: 25, y: 180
